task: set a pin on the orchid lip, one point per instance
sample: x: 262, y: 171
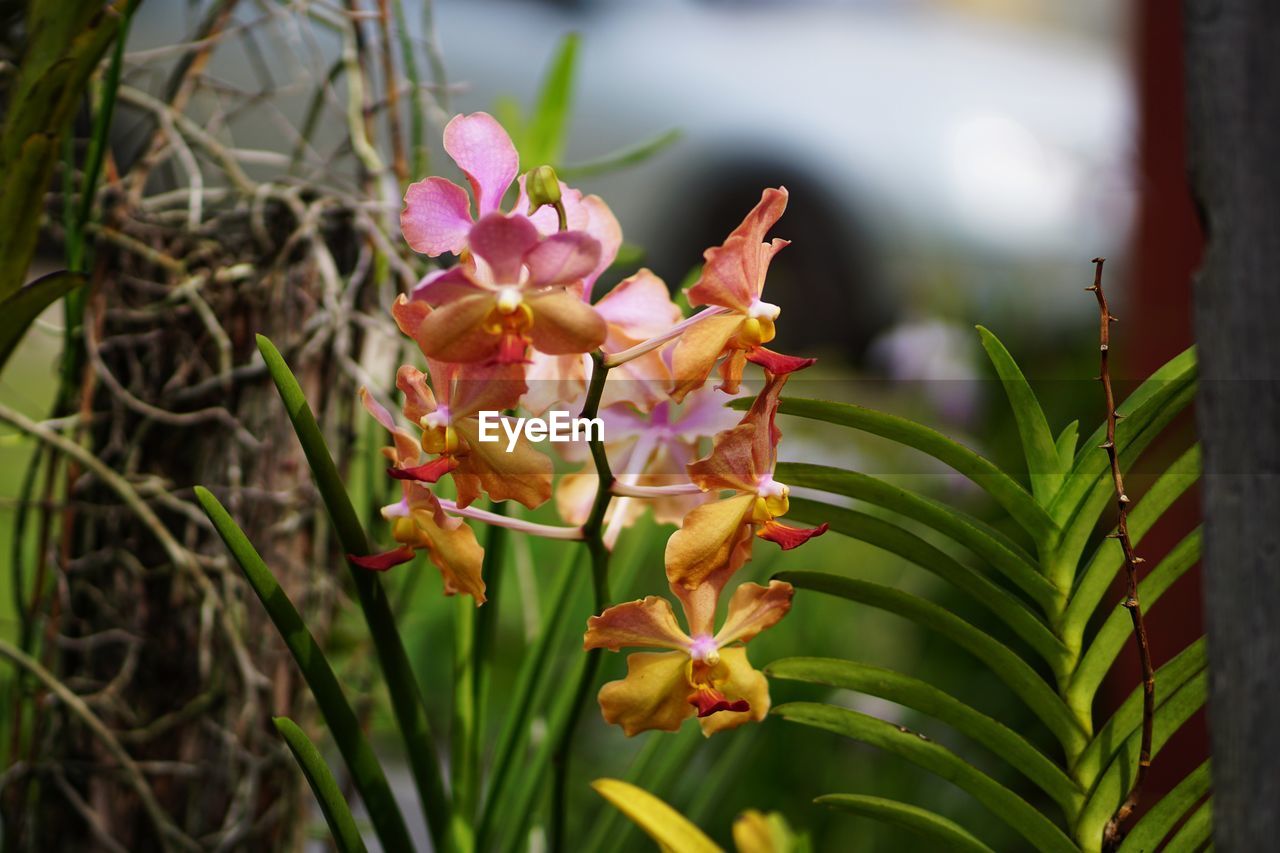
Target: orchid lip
x: 761, y: 310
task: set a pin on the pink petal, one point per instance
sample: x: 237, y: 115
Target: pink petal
x: 428, y: 473
x: 777, y: 363
x: 502, y: 241
x: 640, y: 306
x: 602, y: 225
x: 562, y: 258
x: 385, y: 560
x: 790, y: 537
x: 443, y: 286
x: 483, y: 150
x: 436, y: 217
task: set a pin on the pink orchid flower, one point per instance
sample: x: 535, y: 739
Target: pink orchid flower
x: 718, y: 535
x: 733, y: 280
x: 516, y: 289
x: 449, y: 420
x: 418, y: 521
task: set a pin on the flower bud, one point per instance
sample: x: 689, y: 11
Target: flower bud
x: 543, y: 188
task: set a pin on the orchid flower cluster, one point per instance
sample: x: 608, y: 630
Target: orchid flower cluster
x: 513, y: 325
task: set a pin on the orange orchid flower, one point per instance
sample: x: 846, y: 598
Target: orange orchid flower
x: 704, y: 672
x: 718, y: 534
x: 451, y: 427
x: 419, y: 522
x: 733, y: 280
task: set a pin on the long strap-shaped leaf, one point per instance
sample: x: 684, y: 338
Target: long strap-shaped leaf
x: 880, y: 533
x: 1195, y: 832
x: 1005, y: 555
x: 666, y: 826
x: 337, y: 814
x: 937, y: 759
x: 366, y: 772
x: 1007, y: 491
x: 1004, y: 663
x: 1114, y: 784
x: 1064, y: 561
x: 1148, y: 832
x: 941, y: 706
x: 1115, y: 733
x: 1038, y: 446
x: 1107, y: 560
x: 1147, y: 403
x: 402, y: 684
x: 930, y: 825
x: 1117, y: 630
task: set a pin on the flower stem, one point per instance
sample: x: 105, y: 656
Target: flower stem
x: 547, y: 531
x: 631, y: 490
x: 623, y: 356
x: 592, y: 534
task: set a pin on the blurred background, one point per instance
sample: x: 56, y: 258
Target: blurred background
x: 950, y: 162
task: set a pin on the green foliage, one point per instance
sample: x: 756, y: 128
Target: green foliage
x: 1046, y: 601
x: 19, y: 309
x: 337, y: 814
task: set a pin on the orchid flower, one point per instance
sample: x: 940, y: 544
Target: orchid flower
x: 515, y: 288
x: 718, y: 535
x: 705, y: 672
x: 732, y: 280
x: 451, y: 426
x: 651, y: 450
x: 418, y: 521
x: 637, y: 309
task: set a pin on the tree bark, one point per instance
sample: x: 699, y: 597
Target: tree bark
x: 1233, y: 99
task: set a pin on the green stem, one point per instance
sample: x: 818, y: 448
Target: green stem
x: 591, y: 535
x: 463, y: 765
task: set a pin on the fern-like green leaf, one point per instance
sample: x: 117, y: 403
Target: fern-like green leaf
x: 934, y: 827
x: 1193, y: 834
x: 937, y: 759
x: 1038, y: 446
x: 1148, y: 832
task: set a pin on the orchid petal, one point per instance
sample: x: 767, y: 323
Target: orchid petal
x: 436, y: 217
x: 739, y: 681
x: 640, y: 307
x: 444, y: 286
x: 406, y: 446
x: 731, y: 463
x: 709, y: 701
x: 777, y: 363
x: 502, y: 242
x: 652, y: 696
x: 708, y: 541
x: 752, y: 609
x: 563, y: 323
x: 555, y: 379
x: 385, y: 560
x: 604, y: 227
x: 575, y: 495
x: 698, y: 348
x: 428, y: 473
x: 790, y: 537
x: 731, y: 371
x: 649, y: 622
x: 455, y: 332
x: 418, y: 399
x: 734, y: 272
x: 483, y: 151
x: 485, y: 387
x: 523, y: 475
x: 454, y: 550
x: 562, y: 258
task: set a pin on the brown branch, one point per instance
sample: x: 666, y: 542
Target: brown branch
x: 1111, y: 835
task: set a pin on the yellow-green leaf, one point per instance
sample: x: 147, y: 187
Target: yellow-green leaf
x: 666, y: 826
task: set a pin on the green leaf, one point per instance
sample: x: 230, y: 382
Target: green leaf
x: 1115, y: 782
x: 1010, y: 609
x: 666, y: 826
x: 1148, y: 403
x: 549, y: 123
x: 1066, y: 446
x: 906, y: 744
x: 1125, y: 722
x: 615, y: 161
x: 1004, y: 664
x: 1108, y: 559
x: 337, y: 814
x: 1148, y: 832
x: 19, y: 309
x: 993, y: 546
x: 927, y: 699
x: 1117, y: 630
x: 1038, y: 446
x: 1194, y: 834
x: 1016, y: 500
x: 366, y: 772
x: 402, y: 684
x: 934, y: 827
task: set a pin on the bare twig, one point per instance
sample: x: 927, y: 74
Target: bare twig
x: 1112, y: 835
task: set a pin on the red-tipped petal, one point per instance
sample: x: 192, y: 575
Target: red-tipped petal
x: 512, y: 350
x: 385, y: 560
x: 428, y: 473
x: 777, y: 363
x: 709, y: 702
x: 790, y: 537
